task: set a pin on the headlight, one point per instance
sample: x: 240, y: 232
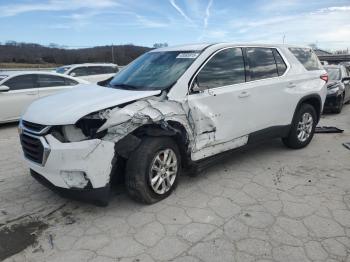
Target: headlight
x: 73, y: 134
x: 332, y: 89
x: 90, y: 124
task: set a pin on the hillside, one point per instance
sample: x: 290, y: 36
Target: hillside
x: 36, y: 54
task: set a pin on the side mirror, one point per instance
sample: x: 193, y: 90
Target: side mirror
x: 4, y: 89
x: 73, y: 74
x: 195, y: 87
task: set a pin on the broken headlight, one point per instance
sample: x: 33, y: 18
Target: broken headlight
x: 86, y: 128
x: 90, y: 124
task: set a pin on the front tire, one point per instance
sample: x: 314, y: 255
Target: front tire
x: 152, y: 170
x: 302, y: 128
x: 340, y: 105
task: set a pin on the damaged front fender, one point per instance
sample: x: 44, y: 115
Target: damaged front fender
x: 158, y: 110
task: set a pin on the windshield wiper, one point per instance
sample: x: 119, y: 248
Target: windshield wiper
x: 124, y: 86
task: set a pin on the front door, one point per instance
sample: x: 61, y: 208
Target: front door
x: 22, y: 93
x: 221, y: 109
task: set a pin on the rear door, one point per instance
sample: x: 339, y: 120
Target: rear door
x: 270, y: 89
x: 52, y: 84
x: 22, y: 93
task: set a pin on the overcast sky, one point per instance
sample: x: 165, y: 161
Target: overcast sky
x: 79, y: 23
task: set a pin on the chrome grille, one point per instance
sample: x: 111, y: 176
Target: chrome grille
x: 34, y: 145
x: 33, y: 148
x: 32, y: 126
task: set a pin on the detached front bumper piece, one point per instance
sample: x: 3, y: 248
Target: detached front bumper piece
x: 76, y: 169
x: 97, y: 196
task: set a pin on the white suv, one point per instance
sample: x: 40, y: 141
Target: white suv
x: 90, y: 72
x: 169, y: 109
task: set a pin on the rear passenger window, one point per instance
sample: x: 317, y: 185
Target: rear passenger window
x: 110, y: 69
x: 307, y: 57
x: 261, y: 63
x: 50, y: 81
x: 223, y: 69
x: 281, y: 65
x: 70, y: 82
x: 79, y: 71
x: 21, y: 82
x: 96, y: 70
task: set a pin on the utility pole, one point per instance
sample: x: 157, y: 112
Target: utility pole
x: 112, y: 53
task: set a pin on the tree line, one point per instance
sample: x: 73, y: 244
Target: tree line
x: 15, y: 52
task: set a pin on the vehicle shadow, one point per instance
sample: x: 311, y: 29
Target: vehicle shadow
x: 8, y: 125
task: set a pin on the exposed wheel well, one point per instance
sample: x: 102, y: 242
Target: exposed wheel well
x: 170, y: 128
x: 313, y: 100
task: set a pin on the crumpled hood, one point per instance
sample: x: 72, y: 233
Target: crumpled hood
x: 68, y: 107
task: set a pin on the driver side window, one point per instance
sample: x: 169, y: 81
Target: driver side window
x: 223, y: 69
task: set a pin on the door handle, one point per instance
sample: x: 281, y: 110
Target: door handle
x: 244, y: 94
x: 291, y: 85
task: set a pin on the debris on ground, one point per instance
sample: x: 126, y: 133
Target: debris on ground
x: 15, y: 238
x: 347, y: 145
x: 51, y: 240
x: 328, y: 129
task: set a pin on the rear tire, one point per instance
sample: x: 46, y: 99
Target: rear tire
x: 156, y: 162
x: 302, y: 128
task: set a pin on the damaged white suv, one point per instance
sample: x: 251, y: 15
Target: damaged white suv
x: 168, y: 110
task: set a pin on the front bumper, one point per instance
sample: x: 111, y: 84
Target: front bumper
x: 331, y: 101
x: 97, y: 196
x: 75, y: 166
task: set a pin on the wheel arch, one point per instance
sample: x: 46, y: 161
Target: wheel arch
x: 313, y: 100
x: 170, y: 128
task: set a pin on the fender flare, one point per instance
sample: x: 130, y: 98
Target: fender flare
x: 308, y: 97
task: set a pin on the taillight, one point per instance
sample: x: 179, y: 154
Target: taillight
x: 324, y: 77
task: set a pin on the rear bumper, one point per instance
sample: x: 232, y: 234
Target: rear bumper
x: 97, y: 196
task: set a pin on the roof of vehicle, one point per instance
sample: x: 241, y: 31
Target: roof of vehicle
x: 90, y: 64
x: 201, y: 47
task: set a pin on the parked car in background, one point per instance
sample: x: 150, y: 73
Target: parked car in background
x: 338, y: 88
x: 91, y: 72
x: 18, y: 89
x: 170, y: 109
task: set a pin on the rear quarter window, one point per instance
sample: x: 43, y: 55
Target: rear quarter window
x: 307, y: 57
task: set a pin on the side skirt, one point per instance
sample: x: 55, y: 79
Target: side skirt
x: 253, y: 139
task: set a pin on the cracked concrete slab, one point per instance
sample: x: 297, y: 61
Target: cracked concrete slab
x: 267, y: 203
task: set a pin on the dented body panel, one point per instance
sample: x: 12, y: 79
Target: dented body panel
x: 68, y: 107
x: 92, y: 157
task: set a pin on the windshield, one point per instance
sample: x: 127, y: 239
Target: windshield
x: 62, y: 70
x: 2, y: 77
x: 154, y: 71
x: 333, y: 73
